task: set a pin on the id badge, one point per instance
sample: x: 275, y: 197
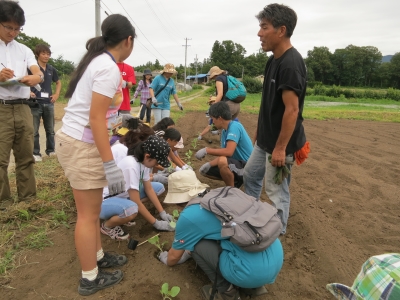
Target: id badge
x: 44, y: 95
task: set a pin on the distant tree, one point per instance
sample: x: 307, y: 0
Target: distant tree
x: 371, y: 60
x: 228, y: 56
x: 395, y: 70
x: 254, y: 64
x: 63, y: 67
x: 319, y: 60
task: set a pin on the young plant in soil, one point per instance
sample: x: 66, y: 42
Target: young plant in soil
x: 155, y: 240
x: 169, y: 294
x: 188, y: 155
x: 175, y: 215
x: 194, y: 143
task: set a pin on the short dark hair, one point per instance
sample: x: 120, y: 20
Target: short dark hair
x: 172, y: 134
x: 10, y: 11
x: 220, y: 109
x: 279, y: 15
x: 140, y: 134
x: 163, y: 124
x: 41, y: 48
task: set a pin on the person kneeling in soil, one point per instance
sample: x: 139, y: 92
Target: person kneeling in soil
x: 235, y: 150
x: 136, y: 169
x: 198, y: 235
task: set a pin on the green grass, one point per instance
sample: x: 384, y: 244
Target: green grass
x: 351, y: 100
x: 26, y: 225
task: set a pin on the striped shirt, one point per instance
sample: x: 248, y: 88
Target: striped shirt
x: 144, y: 92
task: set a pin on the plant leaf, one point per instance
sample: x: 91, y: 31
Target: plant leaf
x: 174, y: 291
x: 154, y: 240
x: 164, y: 289
x: 175, y: 213
x: 172, y: 224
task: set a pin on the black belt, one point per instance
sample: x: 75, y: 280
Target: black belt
x: 14, y: 101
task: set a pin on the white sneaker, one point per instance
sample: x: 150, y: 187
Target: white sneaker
x: 37, y: 158
x: 52, y: 154
x: 116, y: 233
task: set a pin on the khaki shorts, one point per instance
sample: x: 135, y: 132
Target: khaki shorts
x: 81, y: 162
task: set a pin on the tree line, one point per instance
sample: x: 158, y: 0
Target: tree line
x: 351, y: 66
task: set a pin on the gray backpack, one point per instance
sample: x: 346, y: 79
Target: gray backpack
x: 253, y: 225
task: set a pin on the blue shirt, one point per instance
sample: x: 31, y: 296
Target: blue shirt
x: 163, y: 98
x: 239, y: 267
x: 238, y: 134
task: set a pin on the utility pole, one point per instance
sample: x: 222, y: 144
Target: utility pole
x: 186, y: 45
x: 97, y: 17
x: 195, y: 60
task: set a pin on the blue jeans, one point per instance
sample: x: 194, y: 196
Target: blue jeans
x: 46, y: 112
x: 259, y: 168
x: 158, y: 188
x: 120, y: 207
x: 160, y: 114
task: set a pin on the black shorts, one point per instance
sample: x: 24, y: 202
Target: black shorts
x: 239, y: 164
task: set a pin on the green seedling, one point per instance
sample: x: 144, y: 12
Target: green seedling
x: 194, y: 143
x: 188, y: 155
x: 155, y: 240
x: 169, y: 294
x: 175, y: 215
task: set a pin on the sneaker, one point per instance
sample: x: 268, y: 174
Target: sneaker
x: 52, y: 154
x: 112, y: 260
x: 116, y: 233
x: 37, y: 158
x: 102, y: 281
x: 129, y: 224
x: 233, y: 294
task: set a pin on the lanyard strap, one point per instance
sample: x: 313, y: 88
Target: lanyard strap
x: 112, y: 57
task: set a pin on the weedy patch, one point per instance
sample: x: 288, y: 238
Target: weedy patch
x: 169, y: 293
x: 188, y: 157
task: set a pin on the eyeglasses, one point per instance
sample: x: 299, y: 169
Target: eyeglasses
x: 11, y: 29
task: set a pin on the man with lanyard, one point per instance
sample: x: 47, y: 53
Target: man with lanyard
x: 128, y: 80
x: 15, y: 115
x: 45, y: 99
x: 236, y: 148
x: 280, y: 132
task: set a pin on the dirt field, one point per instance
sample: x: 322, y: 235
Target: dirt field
x: 344, y: 209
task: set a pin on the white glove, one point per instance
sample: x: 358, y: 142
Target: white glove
x: 154, y: 100
x: 132, y: 100
x: 201, y: 153
x: 163, y: 225
x: 180, y: 106
x: 160, y: 178
x: 215, y: 132
x: 199, y: 137
x: 115, y: 178
x: 187, y: 167
x: 165, y: 216
x: 123, y: 84
x: 205, y: 168
x: 163, y: 257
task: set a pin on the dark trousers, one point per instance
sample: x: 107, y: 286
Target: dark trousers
x: 206, y: 255
x: 46, y: 112
x: 17, y: 134
x: 145, y: 110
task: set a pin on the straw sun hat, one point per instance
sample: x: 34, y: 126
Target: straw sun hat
x: 183, y: 186
x: 215, y: 71
x: 169, y: 68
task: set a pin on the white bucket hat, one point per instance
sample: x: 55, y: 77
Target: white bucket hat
x: 183, y: 186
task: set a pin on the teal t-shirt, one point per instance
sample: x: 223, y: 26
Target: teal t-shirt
x: 239, y: 267
x: 238, y: 134
x: 163, y: 98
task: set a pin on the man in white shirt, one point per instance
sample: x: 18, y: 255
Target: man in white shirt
x: 15, y: 115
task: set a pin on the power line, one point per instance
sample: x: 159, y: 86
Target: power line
x: 141, y: 31
x: 42, y: 12
x: 162, y: 24
x: 171, y: 22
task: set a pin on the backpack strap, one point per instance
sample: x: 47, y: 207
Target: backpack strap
x: 197, y: 200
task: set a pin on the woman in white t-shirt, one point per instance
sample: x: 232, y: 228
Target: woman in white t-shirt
x: 83, y: 148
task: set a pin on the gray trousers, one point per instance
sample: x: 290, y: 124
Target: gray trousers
x: 206, y: 255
